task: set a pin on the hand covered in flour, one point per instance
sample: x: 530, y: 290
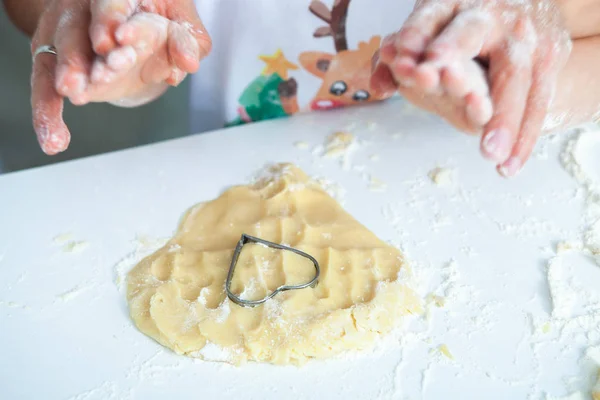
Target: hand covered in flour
x: 125, y: 52
x: 523, y: 45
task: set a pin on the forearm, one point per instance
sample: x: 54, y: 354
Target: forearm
x: 577, y: 97
x: 25, y: 13
x: 581, y: 17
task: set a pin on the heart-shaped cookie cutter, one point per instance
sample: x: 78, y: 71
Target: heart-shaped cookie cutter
x: 236, y: 254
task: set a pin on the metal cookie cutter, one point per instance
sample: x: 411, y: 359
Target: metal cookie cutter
x: 236, y: 254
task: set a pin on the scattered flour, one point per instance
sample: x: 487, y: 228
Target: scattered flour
x: 377, y: 185
x: 73, y: 293
x: 571, y: 158
x: 69, y: 245
x: 332, y: 188
x: 442, y: 177
x: 575, y: 314
x: 301, y: 145
x: 75, y: 246
x: 62, y: 238
x: 340, y: 146
x: 213, y: 352
x: 145, y: 246
x: 443, y: 349
x: 223, y: 311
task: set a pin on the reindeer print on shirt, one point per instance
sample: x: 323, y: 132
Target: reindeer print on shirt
x: 345, y: 74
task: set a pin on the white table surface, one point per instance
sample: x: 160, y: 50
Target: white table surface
x: 68, y: 231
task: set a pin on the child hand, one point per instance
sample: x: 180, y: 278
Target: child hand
x: 463, y: 98
x: 524, y: 44
x: 110, y: 50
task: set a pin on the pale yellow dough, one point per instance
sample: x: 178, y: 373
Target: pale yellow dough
x: 177, y: 294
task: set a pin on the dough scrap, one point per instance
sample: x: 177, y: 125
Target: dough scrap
x: 177, y: 295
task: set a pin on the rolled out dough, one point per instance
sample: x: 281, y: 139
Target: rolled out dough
x: 177, y: 294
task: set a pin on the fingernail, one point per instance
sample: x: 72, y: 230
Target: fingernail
x: 511, y: 167
x: 496, y: 145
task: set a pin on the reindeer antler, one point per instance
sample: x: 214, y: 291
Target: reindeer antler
x: 336, y: 20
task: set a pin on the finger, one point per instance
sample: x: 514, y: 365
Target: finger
x: 510, y: 83
x: 382, y: 82
x: 462, y: 39
x: 116, y: 65
x: 47, y: 107
x: 479, y: 109
x: 46, y: 104
x: 478, y: 104
x: 106, y: 17
x: 186, y: 13
x: 148, y: 34
x: 157, y: 70
x: 387, y: 51
x: 403, y: 69
x: 422, y: 25
x: 183, y: 48
x: 177, y: 76
x: 145, y: 32
x: 427, y: 78
x: 122, y: 59
x: 74, y: 53
x: 461, y: 78
x: 531, y: 128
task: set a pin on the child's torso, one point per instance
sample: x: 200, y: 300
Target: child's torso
x: 276, y: 58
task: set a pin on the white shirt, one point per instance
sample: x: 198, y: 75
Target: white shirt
x: 274, y: 58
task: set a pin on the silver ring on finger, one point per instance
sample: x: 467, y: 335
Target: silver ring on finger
x: 45, y: 49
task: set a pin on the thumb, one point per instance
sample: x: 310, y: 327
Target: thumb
x: 185, y: 13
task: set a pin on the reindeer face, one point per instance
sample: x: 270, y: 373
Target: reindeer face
x: 345, y: 75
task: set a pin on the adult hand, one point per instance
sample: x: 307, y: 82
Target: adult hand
x: 120, y: 51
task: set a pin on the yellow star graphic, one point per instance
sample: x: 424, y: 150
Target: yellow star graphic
x: 277, y: 63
